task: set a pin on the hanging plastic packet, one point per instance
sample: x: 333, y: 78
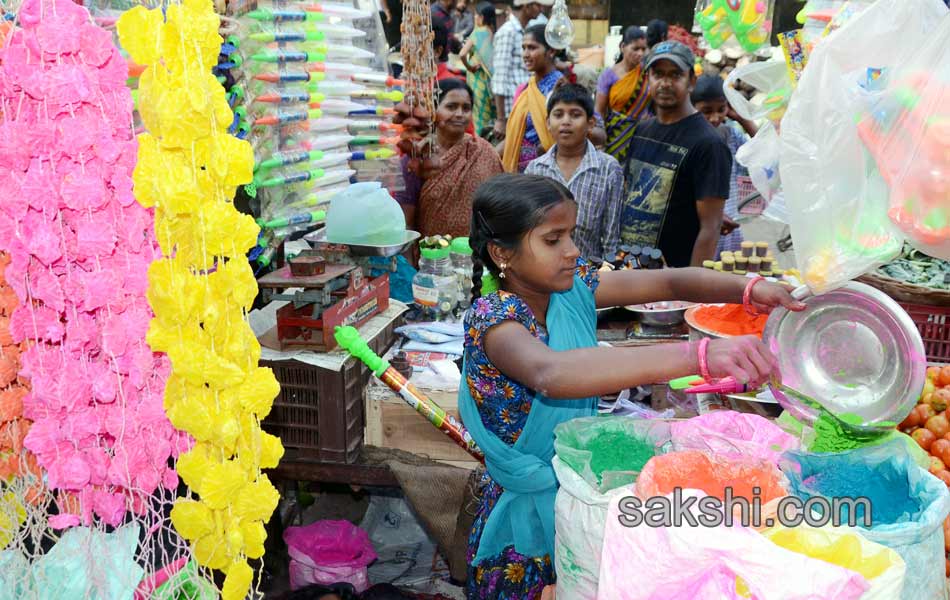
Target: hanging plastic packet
x: 796, y: 54
x: 750, y: 21
x: 907, y: 131
x: 838, y: 201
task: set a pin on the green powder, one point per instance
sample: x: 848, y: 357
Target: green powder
x: 831, y: 436
x: 618, y: 451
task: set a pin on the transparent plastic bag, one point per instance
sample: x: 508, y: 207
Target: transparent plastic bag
x: 907, y: 131
x: 882, y: 567
x: 365, y: 213
x: 908, y: 504
x: 711, y: 563
x: 772, y: 84
x: 608, y: 452
x: 728, y: 433
x: 838, y: 202
x: 761, y: 156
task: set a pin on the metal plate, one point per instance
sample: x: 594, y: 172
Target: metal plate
x: 319, y: 238
x: 854, y: 350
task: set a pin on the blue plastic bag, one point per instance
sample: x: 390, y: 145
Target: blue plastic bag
x: 908, y: 504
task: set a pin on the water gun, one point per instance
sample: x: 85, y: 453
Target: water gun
x: 297, y: 219
x: 318, y: 176
x: 314, y: 120
x: 349, y: 339
x: 336, y: 87
x: 336, y: 10
x: 321, y: 159
x: 319, y: 91
x: 311, y: 34
x: 747, y: 20
x: 908, y: 134
x: 819, y: 10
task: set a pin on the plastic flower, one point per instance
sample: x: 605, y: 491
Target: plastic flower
x: 188, y: 170
x: 79, y: 253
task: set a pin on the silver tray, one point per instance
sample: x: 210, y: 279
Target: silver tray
x: 319, y: 238
x: 854, y: 350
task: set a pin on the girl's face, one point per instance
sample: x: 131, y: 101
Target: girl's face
x: 454, y: 112
x: 537, y: 58
x: 634, y: 51
x: 479, y: 21
x: 545, y: 259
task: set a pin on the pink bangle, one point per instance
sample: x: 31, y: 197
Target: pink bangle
x: 747, y: 295
x: 703, y: 363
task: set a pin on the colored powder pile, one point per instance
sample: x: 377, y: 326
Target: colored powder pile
x: 885, y: 485
x: 729, y: 319
x: 618, y: 451
x: 832, y: 436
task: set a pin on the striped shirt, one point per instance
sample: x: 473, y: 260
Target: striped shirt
x: 507, y: 62
x: 597, y: 185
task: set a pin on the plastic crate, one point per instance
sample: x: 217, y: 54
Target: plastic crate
x: 320, y: 412
x: 933, y: 322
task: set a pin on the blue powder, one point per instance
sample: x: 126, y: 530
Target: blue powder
x: 884, y: 485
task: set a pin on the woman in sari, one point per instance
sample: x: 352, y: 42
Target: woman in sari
x: 524, y: 141
x: 623, y: 93
x: 476, y: 55
x: 439, y: 200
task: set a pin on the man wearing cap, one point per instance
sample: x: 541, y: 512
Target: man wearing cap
x: 677, y: 170
x: 508, y: 65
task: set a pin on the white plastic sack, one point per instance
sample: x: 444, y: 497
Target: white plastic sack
x: 770, y: 79
x: 580, y: 513
x: 702, y: 563
x: 837, y: 200
x: 761, y: 156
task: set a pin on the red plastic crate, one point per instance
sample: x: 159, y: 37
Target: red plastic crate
x: 933, y: 322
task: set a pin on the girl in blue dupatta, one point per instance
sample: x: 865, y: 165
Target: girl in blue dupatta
x: 532, y: 362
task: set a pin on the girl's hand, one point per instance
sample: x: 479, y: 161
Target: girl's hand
x: 767, y: 295
x: 745, y: 358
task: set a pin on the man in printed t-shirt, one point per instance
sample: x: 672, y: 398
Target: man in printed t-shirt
x: 677, y: 171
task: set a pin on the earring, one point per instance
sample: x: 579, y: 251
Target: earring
x: 501, y: 270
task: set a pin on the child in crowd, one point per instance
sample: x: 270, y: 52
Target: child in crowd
x: 531, y: 348
x: 709, y: 99
x: 594, y: 178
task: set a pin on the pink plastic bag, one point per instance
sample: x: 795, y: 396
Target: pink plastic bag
x: 703, y: 563
x: 328, y: 552
x: 725, y: 432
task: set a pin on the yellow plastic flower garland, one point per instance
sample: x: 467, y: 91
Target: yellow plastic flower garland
x: 188, y: 169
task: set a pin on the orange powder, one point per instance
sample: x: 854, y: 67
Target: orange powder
x: 730, y: 319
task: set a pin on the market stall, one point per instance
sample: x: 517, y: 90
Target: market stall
x: 210, y: 298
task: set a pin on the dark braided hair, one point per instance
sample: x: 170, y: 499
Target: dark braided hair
x: 505, y: 208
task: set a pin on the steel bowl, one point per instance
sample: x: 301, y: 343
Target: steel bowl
x: 318, y: 239
x: 661, y: 317
x: 854, y: 350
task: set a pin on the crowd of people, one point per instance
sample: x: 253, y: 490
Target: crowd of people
x: 649, y: 154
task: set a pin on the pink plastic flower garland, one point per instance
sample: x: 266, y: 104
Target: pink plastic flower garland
x: 80, y: 247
